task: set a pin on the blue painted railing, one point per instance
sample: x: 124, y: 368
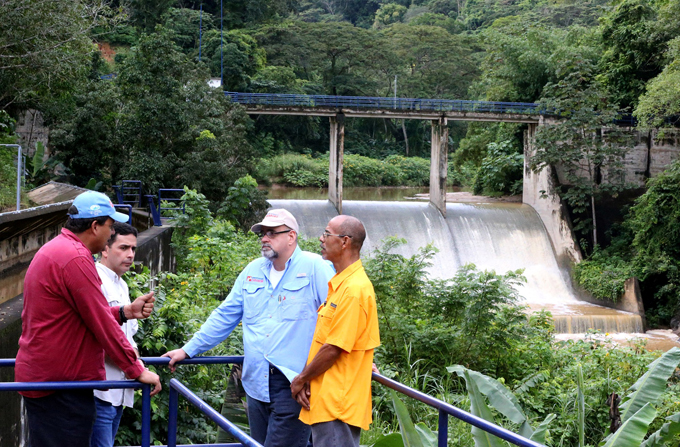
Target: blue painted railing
x: 164, y: 195
x: 367, y: 102
x: 129, y: 192
x: 177, y: 388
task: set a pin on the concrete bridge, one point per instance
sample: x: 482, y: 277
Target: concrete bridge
x: 437, y: 111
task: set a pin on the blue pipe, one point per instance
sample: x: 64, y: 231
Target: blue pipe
x: 146, y: 415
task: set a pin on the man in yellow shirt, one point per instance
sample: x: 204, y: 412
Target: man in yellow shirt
x: 334, y: 389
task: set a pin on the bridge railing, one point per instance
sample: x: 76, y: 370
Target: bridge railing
x: 176, y: 388
x: 402, y: 104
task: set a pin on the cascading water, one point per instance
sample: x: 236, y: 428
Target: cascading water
x: 493, y: 236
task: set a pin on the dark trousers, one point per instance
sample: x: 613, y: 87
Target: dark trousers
x: 61, y: 419
x: 276, y: 423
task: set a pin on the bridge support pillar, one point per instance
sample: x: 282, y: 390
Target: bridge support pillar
x: 439, y: 164
x: 337, y: 150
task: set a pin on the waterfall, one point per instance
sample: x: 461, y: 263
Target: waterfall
x: 493, y: 236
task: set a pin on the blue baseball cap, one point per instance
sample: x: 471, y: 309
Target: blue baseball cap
x: 92, y: 204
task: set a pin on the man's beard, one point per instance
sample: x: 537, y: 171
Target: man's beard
x: 268, y: 252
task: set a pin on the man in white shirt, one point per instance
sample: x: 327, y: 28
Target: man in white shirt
x: 116, y: 259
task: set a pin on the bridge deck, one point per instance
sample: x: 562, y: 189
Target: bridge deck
x: 376, y: 107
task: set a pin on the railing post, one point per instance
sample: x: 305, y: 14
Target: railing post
x: 337, y: 149
x: 146, y: 415
x: 173, y: 403
x: 443, y: 429
x: 439, y: 164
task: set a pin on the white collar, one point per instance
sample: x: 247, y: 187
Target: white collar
x: 113, y: 276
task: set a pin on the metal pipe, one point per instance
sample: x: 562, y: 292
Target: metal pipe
x: 443, y: 429
x: 173, y: 403
x: 49, y: 386
x: 146, y: 415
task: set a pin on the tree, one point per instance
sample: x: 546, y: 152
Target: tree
x: 584, y: 142
x: 45, y: 47
x: 168, y: 105
x: 389, y: 13
x: 660, y: 104
x: 635, y: 35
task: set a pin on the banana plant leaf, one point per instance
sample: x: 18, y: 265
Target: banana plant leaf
x: 541, y: 430
x: 500, y: 398
x: 409, y: 434
x: 633, y: 431
x: 427, y: 436
x: 667, y: 431
x: 391, y: 440
x: 651, y: 385
x: 479, y: 408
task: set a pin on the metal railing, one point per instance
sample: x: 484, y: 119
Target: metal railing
x: 129, y: 192
x: 403, y: 104
x: 157, y: 209
x: 177, y: 388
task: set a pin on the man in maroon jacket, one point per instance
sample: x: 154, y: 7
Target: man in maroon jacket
x: 67, y: 326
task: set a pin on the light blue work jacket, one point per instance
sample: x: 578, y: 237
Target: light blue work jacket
x: 278, y: 322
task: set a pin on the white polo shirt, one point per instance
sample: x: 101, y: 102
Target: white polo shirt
x: 116, y: 292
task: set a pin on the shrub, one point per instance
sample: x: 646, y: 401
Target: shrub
x: 603, y: 274
x: 501, y: 171
x: 415, y: 170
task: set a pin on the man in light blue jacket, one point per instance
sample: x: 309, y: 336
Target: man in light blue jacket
x: 276, y: 297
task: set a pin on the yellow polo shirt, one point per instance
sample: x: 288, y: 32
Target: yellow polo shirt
x: 349, y: 320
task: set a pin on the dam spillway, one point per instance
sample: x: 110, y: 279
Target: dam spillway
x: 493, y: 236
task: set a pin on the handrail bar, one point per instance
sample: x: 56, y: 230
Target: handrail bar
x: 464, y: 416
x: 176, y: 388
x: 376, y: 102
x: 444, y: 408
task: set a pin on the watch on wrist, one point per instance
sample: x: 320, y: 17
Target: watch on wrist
x: 121, y: 313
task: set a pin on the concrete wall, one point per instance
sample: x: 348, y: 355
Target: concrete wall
x: 12, y: 427
x: 653, y: 152
x: 540, y: 191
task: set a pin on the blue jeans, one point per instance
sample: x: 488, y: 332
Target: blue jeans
x: 105, y: 424
x: 276, y: 423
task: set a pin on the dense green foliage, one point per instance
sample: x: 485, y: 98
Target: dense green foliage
x: 303, y: 170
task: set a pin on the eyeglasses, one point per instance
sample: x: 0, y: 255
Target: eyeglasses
x: 271, y: 233
x: 325, y: 234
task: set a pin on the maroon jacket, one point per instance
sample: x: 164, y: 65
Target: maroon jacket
x: 67, y: 323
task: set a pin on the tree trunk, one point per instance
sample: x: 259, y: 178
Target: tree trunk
x: 403, y: 128
x: 592, y: 207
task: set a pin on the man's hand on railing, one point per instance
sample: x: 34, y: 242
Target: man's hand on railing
x: 141, y: 307
x: 151, y: 378
x: 176, y: 355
